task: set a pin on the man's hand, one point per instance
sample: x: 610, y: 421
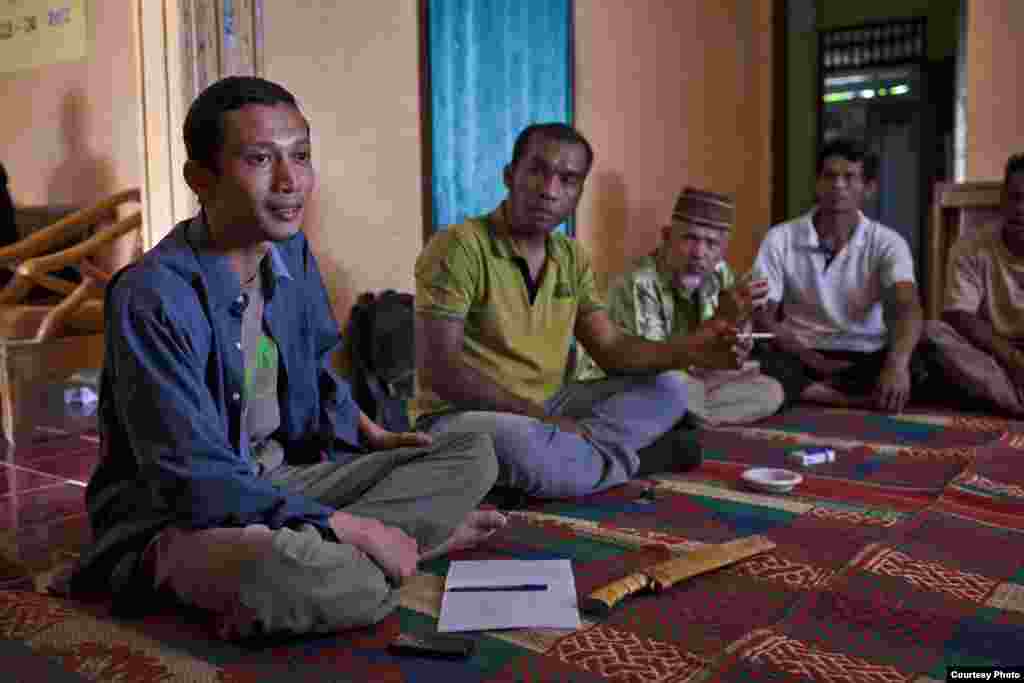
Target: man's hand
x: 713, y: 346
x: 395, y: 551
x: 380, y: 439
x: 758, y: 290
x: 384, y: 440
x: 737, y: 303
x: 893, y: 389
x: 744, y: 345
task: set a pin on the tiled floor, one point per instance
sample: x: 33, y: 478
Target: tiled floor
x: 43, y: 524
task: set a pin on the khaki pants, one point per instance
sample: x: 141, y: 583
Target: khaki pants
x: 732, y: 398
x: 285, y: 580
x: 978, y: 373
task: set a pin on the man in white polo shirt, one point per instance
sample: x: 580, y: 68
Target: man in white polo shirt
x: 842, y: 300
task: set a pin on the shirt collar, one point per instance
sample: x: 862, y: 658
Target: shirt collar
x: 222, y: 284
x: 275, y: 262
x: 807, y: 236
x: 501, y: 245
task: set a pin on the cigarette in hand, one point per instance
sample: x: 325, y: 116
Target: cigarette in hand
x: 755, y: 335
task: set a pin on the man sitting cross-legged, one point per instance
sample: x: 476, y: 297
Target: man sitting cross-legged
x: 499, y: 299
x: 237, y: 473
x: 980, y: 339
x: 684, y: 283
x: 842, y: 300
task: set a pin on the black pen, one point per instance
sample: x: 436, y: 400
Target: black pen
x: 510, y: 587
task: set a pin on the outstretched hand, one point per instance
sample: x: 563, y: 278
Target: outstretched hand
x: 713, y: 346
x: 744, y: 344
x: 737, y: 303
x: 893, y: 389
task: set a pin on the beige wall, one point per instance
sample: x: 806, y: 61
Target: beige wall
x: 69, y: 132
x: 672, y: 94
x: 995, y: 94
x: 684, y: 99
x: 360, y: 91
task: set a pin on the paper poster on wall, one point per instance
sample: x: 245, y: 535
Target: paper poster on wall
x: 38, y: 32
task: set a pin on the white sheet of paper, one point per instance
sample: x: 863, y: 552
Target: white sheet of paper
x: 555, y: 607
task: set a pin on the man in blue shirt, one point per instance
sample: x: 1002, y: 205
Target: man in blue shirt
x: 237, y: 473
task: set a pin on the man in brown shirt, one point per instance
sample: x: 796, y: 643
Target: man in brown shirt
x: 981, y: 335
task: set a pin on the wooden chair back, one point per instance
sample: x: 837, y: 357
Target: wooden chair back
x: 957, y: 210
x: 67, y: 243
x: 45, y: 339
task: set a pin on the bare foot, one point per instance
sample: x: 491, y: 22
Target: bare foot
x: 478, y: 526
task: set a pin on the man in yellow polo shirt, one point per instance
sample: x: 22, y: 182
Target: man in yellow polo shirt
x: 499, y: 299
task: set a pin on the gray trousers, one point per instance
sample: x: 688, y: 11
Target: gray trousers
x: 620, y: 415
x: 743, y: 398
x: 284, y: 580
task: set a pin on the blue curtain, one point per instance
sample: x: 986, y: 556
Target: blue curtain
x: 496, y: 66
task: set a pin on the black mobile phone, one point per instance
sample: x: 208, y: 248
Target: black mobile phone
x: 433, y: 645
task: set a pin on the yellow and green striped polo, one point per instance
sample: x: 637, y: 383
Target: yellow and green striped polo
x: 471, y: 272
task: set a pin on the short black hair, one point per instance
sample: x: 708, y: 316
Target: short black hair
x: 559, y: 132
x: 853, y: 151
x: 1014, y: 165
x: 204, y: 129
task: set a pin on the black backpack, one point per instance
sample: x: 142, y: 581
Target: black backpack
x: 379, y: 342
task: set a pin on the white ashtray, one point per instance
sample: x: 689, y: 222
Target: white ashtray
x: 771, y: 480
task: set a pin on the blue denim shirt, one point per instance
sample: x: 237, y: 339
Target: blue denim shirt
x: 173, y: 446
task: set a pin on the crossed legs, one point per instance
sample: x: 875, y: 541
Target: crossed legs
x: 293, y: 580
x: 620, y: 415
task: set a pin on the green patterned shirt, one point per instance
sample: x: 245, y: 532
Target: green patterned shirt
x: 644, y: 303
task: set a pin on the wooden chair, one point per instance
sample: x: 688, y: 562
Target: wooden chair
x: 46, y: 338
x: 957, y: 209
